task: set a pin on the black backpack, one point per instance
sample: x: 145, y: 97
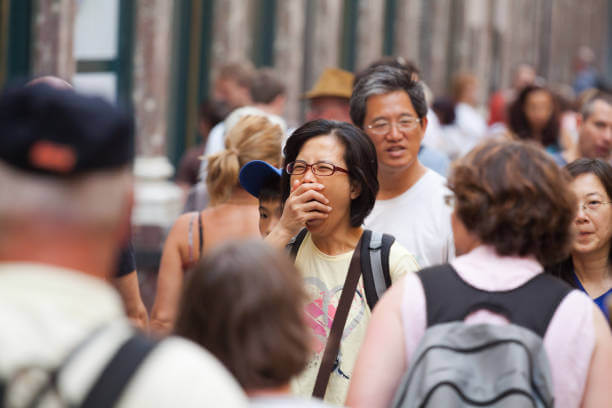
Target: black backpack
x: 467, y: 365
x: 374, y: 261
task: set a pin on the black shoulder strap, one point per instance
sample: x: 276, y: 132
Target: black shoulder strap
x: 387, y: 242
x: 531, y: 305
x: 2, y: 386
x: 294, y: 245
x: 115, y: 376
x: 38, y: 396
x: 375, y: 265
x: 118, y: 372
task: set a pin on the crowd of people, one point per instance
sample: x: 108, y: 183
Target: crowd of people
x: 395, y: 249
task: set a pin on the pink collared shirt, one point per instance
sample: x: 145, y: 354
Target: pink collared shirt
x: 569, y: 339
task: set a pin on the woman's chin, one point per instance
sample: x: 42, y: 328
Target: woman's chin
x: 314, y: 225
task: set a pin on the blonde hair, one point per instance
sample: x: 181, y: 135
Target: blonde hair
x: 252, y: 138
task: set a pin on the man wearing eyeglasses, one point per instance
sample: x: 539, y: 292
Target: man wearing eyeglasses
x: 594, y: 131
x: 389, y: 105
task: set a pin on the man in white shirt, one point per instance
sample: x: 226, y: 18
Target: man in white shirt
x: 389, y: 105
x: 65, y: 169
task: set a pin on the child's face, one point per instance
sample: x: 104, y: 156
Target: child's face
x: 269, y: 214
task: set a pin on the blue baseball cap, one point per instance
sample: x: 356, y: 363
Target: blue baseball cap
x: 255, y: 174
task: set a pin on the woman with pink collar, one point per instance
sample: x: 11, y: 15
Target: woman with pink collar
x: 512, y: 215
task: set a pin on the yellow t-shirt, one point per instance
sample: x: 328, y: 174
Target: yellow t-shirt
x: 324, y: 277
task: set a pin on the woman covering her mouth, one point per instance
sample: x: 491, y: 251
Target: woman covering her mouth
x: 329, y: 185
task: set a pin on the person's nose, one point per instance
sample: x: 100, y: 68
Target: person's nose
x: 394, y: 133
x: 581, y: 216
x: 309, y: 176
x: 607, y: 133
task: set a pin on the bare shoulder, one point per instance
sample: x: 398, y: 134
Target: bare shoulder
x: 181, y: 226
x: 603, y: 336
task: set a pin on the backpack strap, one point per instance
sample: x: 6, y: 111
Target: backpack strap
x: 38, y: 396
x: 294, y: 244
x: 532, y: 305
x: 375, y: 265
x: 387, y: 242
x: 117, y: 374
x: 108, y: 387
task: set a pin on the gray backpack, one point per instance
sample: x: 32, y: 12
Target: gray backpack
x: 482, y: 365
x: 375, y: 251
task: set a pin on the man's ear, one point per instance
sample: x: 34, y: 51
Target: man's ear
x: 355, y: 190
x: 424, y: 123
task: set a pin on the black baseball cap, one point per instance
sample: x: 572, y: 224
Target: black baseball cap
x: 61, y: 133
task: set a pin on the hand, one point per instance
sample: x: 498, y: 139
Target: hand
x: 305, y: 203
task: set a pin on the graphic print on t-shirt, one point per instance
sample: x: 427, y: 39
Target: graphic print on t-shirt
x: 320, y: 314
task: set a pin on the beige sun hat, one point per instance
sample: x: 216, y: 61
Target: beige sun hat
x: 332, y: 82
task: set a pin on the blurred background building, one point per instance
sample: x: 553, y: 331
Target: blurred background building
x: 159, y: 57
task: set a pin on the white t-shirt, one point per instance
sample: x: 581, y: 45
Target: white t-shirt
x: 324, y: 277
x: 433, y: 133
x: 47, y: 311
x: 471, y: 123
x: 419, y: 220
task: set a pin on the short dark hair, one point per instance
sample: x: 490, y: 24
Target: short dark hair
x: 517, y: 120
x: 445, y: 110
x: 601, y: 170
x: 207, y: 111
x: 396, y: 62
x: 383, y: 79
x: 270, y: 189
x: 587, y: 107
x: 244, y: 302
x: 513, y: 196
x: 266, y: 85
x: 359, y: 155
